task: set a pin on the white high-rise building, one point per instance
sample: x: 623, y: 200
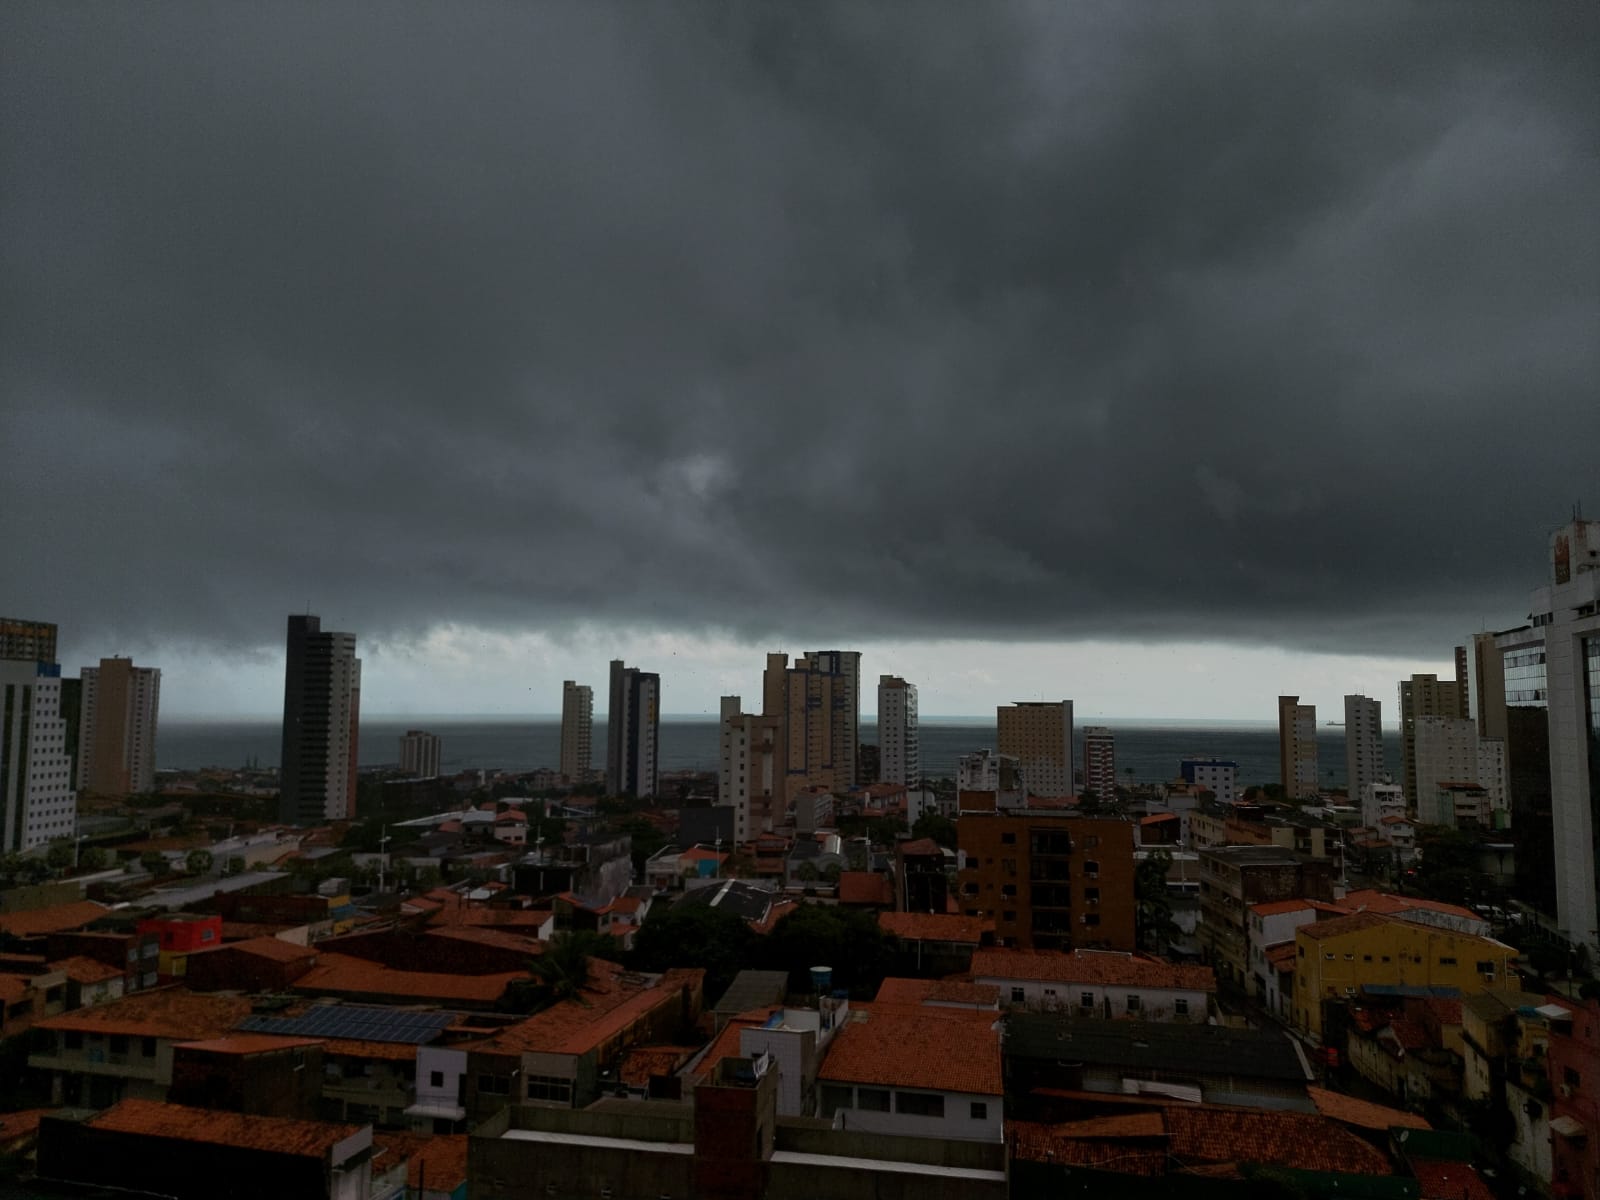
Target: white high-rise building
x: 577, y: 730
x: 39, y: 804
x: 120, y: 706
x: 633, y: 726
x: 899, y: 756
x: 1363, y: 745
x: 419, y: 753
x: 1219, y: 776
x: 1100, y: 763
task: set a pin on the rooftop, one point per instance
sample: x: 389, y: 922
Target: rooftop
x: 178, y: 1122
x: 609, y: 1003
x: 1108, y: 967
x: 356, y: 976
x: 54, y: 919
x: 169, y: 1012
x: 865, y: 887
x: 751, y: 989
x: 1340, y: 926
x: 941, y: 1049
x: 938, y: 991
x: 247, y: 1043
x: 1364, y: 1114
x: 439, y: 1161
x: 1200, y: 1049
x: 932, y: 927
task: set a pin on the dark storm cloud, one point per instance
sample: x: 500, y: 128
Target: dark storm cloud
x: 873, y: 320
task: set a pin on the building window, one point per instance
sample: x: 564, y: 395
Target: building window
x: 1571, y: 1078
x: 147, y: 1047
x: 1086, y: 1000
x: 1008, y: 839
x: 1181, y: 1006
x: 1133, y: 1002
x: 119, y: 1043
x: 436, y: 1079
x: 919, y: 1104
x: 834, y: 1097
x: 494, y: 1085
x: 74, y: 1040
x: 1486, y: 968
x: 1091, y: 868
x: 1091, y: 918
x: 1018, y: 995
x: 1009, y: 915
x: 549, y: 1087
x: 980, y: 1111
x: 1447, y: 962
x: 872, y: 1099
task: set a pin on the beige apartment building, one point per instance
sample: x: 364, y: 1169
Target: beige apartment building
x: 1038, y: 734
x: 1426, y: 696
x: 117, y: 728
x: 577, y: 730
x: 1297, y: 748
x: 817, y: 703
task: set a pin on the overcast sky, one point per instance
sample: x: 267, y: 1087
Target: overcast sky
x: 1162, y: 356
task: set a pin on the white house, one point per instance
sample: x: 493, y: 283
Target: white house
x: 1098, y: 983
x: 915, y: 1072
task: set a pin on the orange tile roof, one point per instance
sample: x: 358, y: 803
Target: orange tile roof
x: 1348, y: 1110
x: 273, y: 948
x: 1282, y: 956
x: 13, y: 989
x: 180, y: 1123
x: 941, y: 1049
x: 1116, y: 1125
x: 922, y: 846
x: 439, y: 1161
x: 1373, y: 900
x: 865, y: 887
x: 948, y: 991
x: 356, y: 1048
x: 356, y: 976
x: 1037, y: 1142
x: 488, y: 935
x: 932, y: 927
x: 1110, y: 968
x: 170, y: 1012
x: 1340, y: 926
x: 17, y: 1125
x: 1273, y: 908
x: 726, y: 1043
x: 642, y: 1062
x: 86, y: 970
x: 1449, y: 1181
x: 609, y: 1004
x: 775, y: 914
x: 247, y: 1043
x: 55, y: 919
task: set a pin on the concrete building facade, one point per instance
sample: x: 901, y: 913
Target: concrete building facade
x: 748, y: 775
x: 817, y: 702
x: 1297, y: 748
x: 577, y: 731
x: 1038, y: 734
x: 419, y: 753
x: 1363, y: 745
x: 119, y: 706
x: 633, y: 731
x: 321, y: 724
x: 1425, y: 696
x: 899, y: 754
x: 1100, y: 762
x: 1219, y: 776
x: 39, y: 804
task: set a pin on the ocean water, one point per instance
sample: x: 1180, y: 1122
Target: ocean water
x: 1152, y: 749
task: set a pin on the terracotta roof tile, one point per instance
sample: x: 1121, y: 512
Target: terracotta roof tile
x: 1372, y: 900
x: 1339, y: 926
x: 643, y: 1062
x: 726, y: 1043
x: 942, y: 1049
x: 178, y: 1122
x: 1449, y: 1181
x: 932, y: 927
x: 1364, y: 1114
x: 55, y: 919
x: 439, y: 1161
x: 1108, y: 967
x: 947, y: 991
x: 865, y: 887
x: 272, y: 948
x: 247, y: 1043
x: 922, y: 846
x: 609, y: 1004
x: 356, y: 1048
x: 15, y: 1126
x: 86, y: 970
x: 171, y: 1012
x: 342, y: 973
x: 1273, y: 908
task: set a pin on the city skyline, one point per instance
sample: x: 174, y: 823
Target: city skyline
x: 1015, y: 364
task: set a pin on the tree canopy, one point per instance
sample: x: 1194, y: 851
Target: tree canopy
x: 696, y: 936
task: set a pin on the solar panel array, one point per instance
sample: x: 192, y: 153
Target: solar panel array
x: 357, y: 1022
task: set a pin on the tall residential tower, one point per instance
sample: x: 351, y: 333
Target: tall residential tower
x: 120, y: 704
x: 37, y: 803
x: 899, y: 755
x: 321, y: 719
x: 1297, y: 748
x: 1363, y: 745
x: 1038, y: 734
x: 577, y: 731
x: 632, y: 731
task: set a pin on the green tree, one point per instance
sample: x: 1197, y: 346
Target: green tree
x: 941, y: 829
x: 154, y: 861
x: 848, y: 940
x: 197, y: 862
x: 1089, y: 803
x: 93, y: 859
x: 59, y: 856
x: 563, y: 968
x: 807, y: 871
x: 1448, y: 869
x: 831, y: 872
x: 1152, y: 903
x: 695, y: 935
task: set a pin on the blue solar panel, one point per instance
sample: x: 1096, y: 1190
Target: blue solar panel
x: 357, y: 1022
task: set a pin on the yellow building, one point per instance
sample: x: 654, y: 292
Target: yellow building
x: 1335, y: 959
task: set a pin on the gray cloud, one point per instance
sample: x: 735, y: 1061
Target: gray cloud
x: 856, y: 320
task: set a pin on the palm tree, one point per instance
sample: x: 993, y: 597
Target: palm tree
x: 563, y: 968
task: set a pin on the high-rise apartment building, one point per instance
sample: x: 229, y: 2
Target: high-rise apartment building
x: 37, y: 802
x: 1363, y: 745
x: 119, y: 706
x: 1555, y: 663
x: 321, y: 724
x: 1048, y: 881
x: 818, y: 703
x: 1519, y: 704
x: 577, y: 730
x: 27, y: 641
x: 1219, y: 776
x: 899, y: 756
x: 1297, y: 748
x: 1038, y: 734
x: 1426, y: 696
x: 749, y: 778
x: 420, y: 752
x: 1099, y: 762
x: 633, y: 731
